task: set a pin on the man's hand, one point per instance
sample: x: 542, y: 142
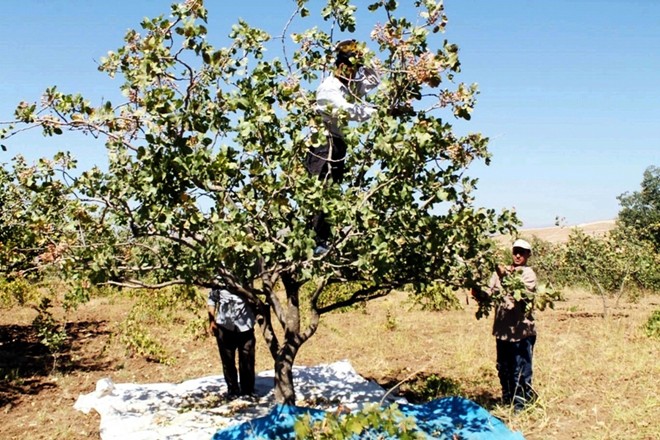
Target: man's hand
x: 478, y: 294
x: 503, y: 271
x: 213, y: 328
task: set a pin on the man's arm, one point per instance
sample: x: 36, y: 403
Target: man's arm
x: 493, y: 284
x: 528, y: 277
x: 478, y: 294
x: 213, y: 327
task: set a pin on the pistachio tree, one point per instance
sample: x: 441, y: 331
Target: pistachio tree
x: 612, y: 264
x: 35, y: 216
x: 206, y: 185
x: 640, y: 210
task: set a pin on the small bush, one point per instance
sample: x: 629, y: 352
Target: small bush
x: 336, y: 293
x: 424, y: 389
x: 390, y: 321
x: 17, y: 292
x: 138, y: 340
x: 197, y: 327
x: 436, y: 297
x: 51, y: 332
x: 371, y: 422
x: 164, y: 308
x: 652, y: 326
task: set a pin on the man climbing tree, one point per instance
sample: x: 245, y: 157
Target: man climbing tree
x: 338, y: 98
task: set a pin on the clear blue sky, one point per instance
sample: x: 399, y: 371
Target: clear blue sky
x: 570, y: 89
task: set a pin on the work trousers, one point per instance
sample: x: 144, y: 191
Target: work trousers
x: 326, y: 162
x: 514, y: 368
x: 230, y: 342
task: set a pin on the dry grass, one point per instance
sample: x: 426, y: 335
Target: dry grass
x: 597, y: 378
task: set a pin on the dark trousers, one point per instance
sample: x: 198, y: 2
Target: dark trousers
x: 514, y: 368
x: 229, y: 342
x: 326, y: 162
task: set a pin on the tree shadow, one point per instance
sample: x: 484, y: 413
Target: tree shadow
x: 26, y: 363
x: 425, y: 387
x: 583, y: 315
x: 485, y: 399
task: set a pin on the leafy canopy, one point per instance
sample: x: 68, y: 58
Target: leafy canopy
x: 205, y: 172
x: 640, y: 210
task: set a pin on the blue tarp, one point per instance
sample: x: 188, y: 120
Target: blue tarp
x: 448, y: 418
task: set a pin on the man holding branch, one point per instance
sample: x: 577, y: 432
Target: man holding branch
x: 513, y: 287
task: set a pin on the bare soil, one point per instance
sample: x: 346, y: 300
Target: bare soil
x: 598, y: 378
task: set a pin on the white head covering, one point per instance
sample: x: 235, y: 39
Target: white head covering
x: 522, y: 244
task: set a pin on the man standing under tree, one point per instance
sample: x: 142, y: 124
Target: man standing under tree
x: 232, y: 323
x: 338, y: 97
x: 513, y: 327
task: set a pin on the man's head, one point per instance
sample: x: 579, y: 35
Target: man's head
x: 521, y: 250
x: 348, y: 59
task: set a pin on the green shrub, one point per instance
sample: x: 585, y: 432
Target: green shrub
x: 17, y: 292
x: 137, y: 339
x: 390, y: 321
x: 652, y: 326
x: 52, y: 333
x: 162, y: 307
x: 424, y: 389
x: 336, y: 293
x: 371, y: 422
x: 436, y: 297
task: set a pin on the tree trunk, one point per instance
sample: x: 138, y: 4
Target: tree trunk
x: 603, y: 296
x: 284, y: 389
x: 620, y: 293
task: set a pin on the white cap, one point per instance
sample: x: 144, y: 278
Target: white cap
x: 522, y: 244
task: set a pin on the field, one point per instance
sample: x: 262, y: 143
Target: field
x: 598, y: 378
x: 560, y: 234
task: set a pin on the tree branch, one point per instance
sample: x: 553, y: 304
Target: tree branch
x: 366, y: 294
x: 137, y: 284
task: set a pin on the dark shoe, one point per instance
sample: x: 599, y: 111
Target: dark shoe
x: 250, y: 397
x: 519, y: 403
x: 320, y: 250
x: 228, y: 397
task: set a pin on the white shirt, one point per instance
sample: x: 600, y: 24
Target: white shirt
x: 231, y: 311
x: 331, y: 99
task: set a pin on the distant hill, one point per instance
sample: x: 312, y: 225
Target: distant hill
x: 559, y: 234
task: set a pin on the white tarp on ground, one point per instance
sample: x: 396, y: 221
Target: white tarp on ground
x: 193, y: 409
